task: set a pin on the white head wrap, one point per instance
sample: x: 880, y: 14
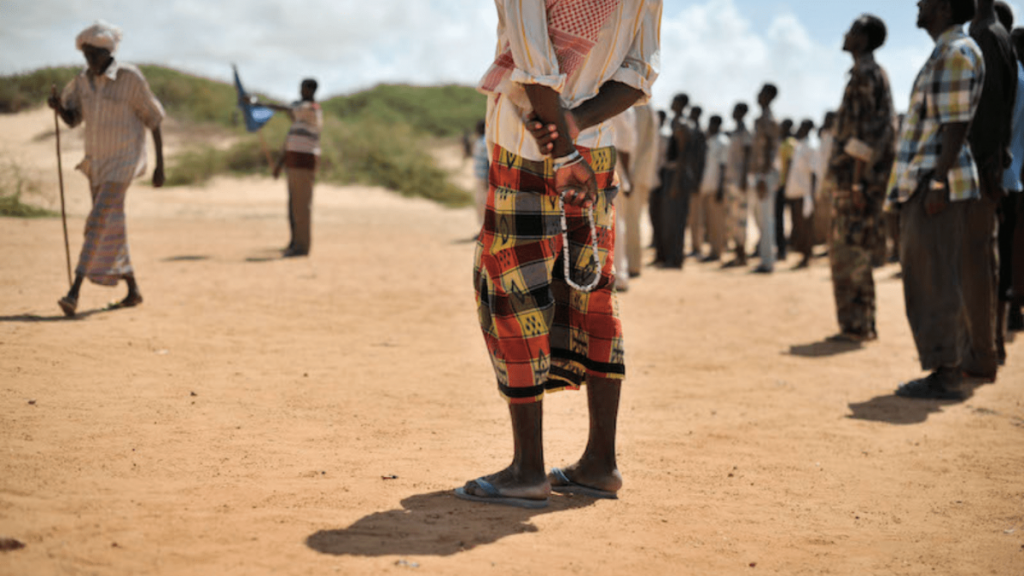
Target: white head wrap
x: 101, y: 35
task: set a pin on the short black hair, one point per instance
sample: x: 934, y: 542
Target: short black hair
x: 696, y: 110
x: 311, y: 83
x: 1005, y: 14
x: 963, y: 10
x: 715, y: 119
x: 875, y: 31
x: 742, y: 106
x: 772, y: 89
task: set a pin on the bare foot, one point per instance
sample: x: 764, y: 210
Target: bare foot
x: 510, y: 485
x: 591, y: 475
x: 68, y: 305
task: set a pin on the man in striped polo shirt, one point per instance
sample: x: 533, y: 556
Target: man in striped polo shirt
x: 300, y: 159
x: 114, y: 101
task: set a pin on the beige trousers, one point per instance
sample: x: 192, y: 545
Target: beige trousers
x: 300, y: 207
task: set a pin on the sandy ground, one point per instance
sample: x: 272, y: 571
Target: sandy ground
x: 267, y: 416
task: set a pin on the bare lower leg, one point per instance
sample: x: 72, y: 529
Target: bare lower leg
x: 133, y: 297
x: 597, y: 468
x: 525, y: 477
x: 75, y: 288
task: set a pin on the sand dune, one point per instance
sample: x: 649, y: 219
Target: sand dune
x: 259, y: 415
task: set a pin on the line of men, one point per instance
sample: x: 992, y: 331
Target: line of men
x: 943, y: 182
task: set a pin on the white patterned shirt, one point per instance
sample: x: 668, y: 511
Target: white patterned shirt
x: 573, y: 47
x: 117, y: 108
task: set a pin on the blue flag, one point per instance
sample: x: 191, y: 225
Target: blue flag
x: 255, y: 116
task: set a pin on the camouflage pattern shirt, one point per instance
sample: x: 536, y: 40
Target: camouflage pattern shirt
x: 865, y: 131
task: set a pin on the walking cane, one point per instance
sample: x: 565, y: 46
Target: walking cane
x: 60, y: 178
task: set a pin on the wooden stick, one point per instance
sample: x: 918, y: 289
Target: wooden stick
x: 60, y: 178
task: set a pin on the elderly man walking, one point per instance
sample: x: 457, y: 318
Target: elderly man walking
x: 114, y: 101
x: 544, y: 277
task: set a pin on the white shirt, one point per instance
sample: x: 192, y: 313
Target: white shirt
x: 117, y: 108
x: 805, y: 164
x: 545, y: 42
x: 624, y: 126
x: 304, y: 135
x: 717, y: 156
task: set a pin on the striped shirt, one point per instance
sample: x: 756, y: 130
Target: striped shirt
x: 573, y: 47
x: 947, y: 91
x: 307, y: 123
x: 117, y: 108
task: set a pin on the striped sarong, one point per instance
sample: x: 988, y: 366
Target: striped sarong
x: 104, y: 259
x: 542, y: 335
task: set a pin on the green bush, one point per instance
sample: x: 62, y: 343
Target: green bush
x: 12, y: 184
x: 379, y: 136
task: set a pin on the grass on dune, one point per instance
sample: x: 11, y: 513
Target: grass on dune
x: 379, y: 136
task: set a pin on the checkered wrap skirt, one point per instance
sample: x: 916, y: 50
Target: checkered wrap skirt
x: 104, y: 259
x: 542, y: 335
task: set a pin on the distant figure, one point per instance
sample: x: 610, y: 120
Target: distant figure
x: 741, y: 143
x: 800, y: 189
x: 712, y: 188
x: 114, y: 101
x: 861, y: 164
x: 766, y: 175
x: 481, y: 165
x: 933, y: 182
x: 823, y: 201
x: 697, y: 156
x: 787, y: 147
x: 675, y: 200
x: 300, y: 159
x: 545, y: 292
x: 654, y: 203
x: 990, y: 143
x: 1011, y: 229
x: 625, y: 146
x: 646, y: 166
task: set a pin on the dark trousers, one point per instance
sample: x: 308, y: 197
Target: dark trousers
x: 781, y: 202
x: 931, y: 251
x: 655, y: 207
x: 1011, y: 249
x: 675, y: 214
x: 980, y: 275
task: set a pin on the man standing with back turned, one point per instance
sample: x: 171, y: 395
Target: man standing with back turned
x: 546, y: 299
x: 114, y: 101
x: 934, y: 180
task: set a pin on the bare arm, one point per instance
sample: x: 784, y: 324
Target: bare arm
x: 613, y: 99
x: 576, y: 181
x: 158, y: 147
x: 953, y: 138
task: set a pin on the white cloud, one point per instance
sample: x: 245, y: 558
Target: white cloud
x: 711, y: 49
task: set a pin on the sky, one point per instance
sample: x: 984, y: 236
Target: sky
x: 717, y: 51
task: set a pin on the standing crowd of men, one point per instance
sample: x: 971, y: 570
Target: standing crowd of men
x: 941, y: 183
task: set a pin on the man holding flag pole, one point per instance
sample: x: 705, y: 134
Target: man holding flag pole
x: 115, y: 103
x: 300, y: 158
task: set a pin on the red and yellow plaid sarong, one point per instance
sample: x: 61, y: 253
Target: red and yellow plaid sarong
x: 542, y: 335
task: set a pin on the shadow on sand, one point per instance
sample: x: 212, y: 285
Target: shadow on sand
x: 434, y: 524
x: 186, y: 258
x: 824, y: 349
x: 892, y: 409
x: 35, y: 318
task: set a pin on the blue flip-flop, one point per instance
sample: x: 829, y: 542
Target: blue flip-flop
x: 566, y: 486
x: 494, y: 496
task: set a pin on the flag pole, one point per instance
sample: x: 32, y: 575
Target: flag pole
x: 60, y: 179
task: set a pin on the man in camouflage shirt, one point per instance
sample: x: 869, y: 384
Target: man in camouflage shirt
x: 861, y: 163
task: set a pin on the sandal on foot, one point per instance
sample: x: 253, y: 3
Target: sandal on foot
x: 68, y: 305
x: 129, y: 301
x: 494, y: 496
x: 564, y: 485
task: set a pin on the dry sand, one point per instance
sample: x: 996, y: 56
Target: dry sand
x: 310, y: 416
